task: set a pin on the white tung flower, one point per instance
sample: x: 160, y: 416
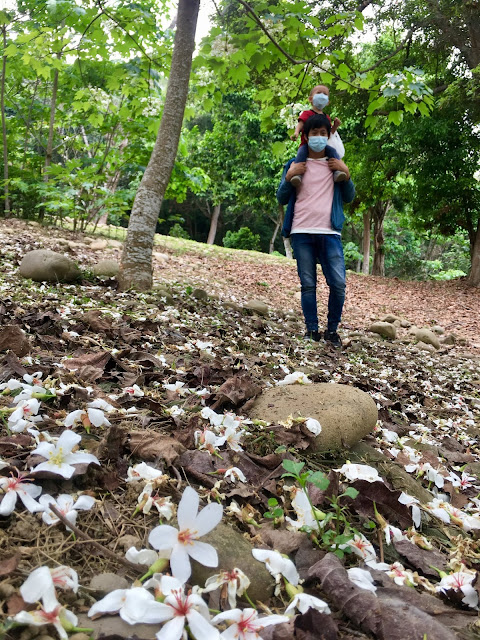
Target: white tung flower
x: 143, y: 471
x: 303, y: 602
x: 297, y: 377
x: 88, y: 417
x: 246, y: 624
x: 184, y: 541
x: 18, y: 487
x: 461, y: 581
x: 362, y: 579
x: 359, y: 472
x: 235, y: 582
x: 67, y: 506
x: 277, y: 565
x: 60, y: 458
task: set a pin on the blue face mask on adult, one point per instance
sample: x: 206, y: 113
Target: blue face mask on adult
x: 317, y: 143
x: 320, y: 100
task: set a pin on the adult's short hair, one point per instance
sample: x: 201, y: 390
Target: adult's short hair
x: 315, y: 122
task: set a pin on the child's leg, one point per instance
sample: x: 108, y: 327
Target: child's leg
x: 302, y: 155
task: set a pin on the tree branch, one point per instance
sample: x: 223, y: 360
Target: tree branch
x: 391, y: 55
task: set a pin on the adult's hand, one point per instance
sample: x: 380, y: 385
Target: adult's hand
x: 335, y: 164
x: 296, y: 169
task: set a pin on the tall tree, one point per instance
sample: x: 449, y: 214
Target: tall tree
x: 136, y: 267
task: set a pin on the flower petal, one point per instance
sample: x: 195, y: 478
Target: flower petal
x: 163, y: 537
x: 208, y: 518
x: 172, y: 630
x: 188, y: 509
x: 29, y: 503
x: 67, y: 440
x: 180, y: 563
x: 201, y: 628
x: 203, y: 553
x: 8, y: 503
x: 84, y: 503
x: 233, y: 614
x: 111, y: 603
x: 38, y: 583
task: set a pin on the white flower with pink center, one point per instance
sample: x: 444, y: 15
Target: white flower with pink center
x: 184, y: 541
x: 134, y: 391
x: 461, y: 581
x: 60, y: 456
x: 67, y: 506
x: 18, y: 487
x: 246, y: 624
x: 233, y: 582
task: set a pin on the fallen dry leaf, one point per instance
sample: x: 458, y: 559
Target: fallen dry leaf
x: 151, y: 445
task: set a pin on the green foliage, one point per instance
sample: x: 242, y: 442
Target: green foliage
x: 177, y: 231
x: 242, y: 239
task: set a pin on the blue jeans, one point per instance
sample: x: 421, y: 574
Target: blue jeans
x: 310, y: 249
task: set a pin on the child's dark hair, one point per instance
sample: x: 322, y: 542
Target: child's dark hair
x: 315, y: 122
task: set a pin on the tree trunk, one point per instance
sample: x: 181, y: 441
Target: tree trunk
x: 379, y: 211
x: 136, y: 267
x: 51, y: 125
x: 6, y: 204
x: 366, y: 243
x: 474, y: 275
x: 288, y: 248
x: 278, y: 224
x: 214, y: 223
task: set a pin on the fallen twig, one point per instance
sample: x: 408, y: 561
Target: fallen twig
x: 78, y: 532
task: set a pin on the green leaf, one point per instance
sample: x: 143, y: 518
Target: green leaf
x: 293, y: 467
x: 396, y: 117
x: 272, y: 502
x: 278, y: 149
x: 350, y: 493
x: 319, y: 479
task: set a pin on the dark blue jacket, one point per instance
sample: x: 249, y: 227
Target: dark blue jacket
x: 342, y: 192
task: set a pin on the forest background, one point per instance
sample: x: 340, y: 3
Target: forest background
x: 83, y: 86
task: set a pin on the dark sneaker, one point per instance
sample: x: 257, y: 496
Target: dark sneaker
x: 339, y: 176
x: 296, y: 181
x: 333, y: 338
x: 313, y: 335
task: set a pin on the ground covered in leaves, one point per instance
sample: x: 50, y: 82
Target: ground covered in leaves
x: 154, y: 363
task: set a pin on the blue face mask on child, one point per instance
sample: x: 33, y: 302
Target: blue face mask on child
x: 317, y: 143
x: 320, y: 100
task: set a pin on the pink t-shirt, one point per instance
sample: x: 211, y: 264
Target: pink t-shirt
x: 313, y: 207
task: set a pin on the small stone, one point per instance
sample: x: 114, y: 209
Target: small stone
x: 6, y: 590
x: 127, y: 541
x: 428, y: 337
x: 42, y: 265
x: 232, y: 305
x: 405, y: 324
x: 200, y: 294
x: 391, y: 318
x: 234, y: 551
x: 438, y: 330
x: 162, y: 257
x: 384, y: 329
x: 108, y: 268
x: 97, y: 245
x: 116, y: 244
x: 424, y: 346
x: 257, y: 306
x: 345, y: 413
x: 14, y: 339
x: 104, y: 583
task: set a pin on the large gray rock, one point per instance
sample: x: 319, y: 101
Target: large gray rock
x: 42, y: 265
x: 345, y: 413
x: 234, y: 551
x: 428, y: 337
x: 98, y: 245
x: 385, y: 329
x: 107, y: 268
x: 257, y: 306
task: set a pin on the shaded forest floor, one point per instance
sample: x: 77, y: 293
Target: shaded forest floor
x: 183, y: 353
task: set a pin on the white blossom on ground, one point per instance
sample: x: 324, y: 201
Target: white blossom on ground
x: 65, y: 578
x: 361, y: 578
x: 412, y: 502
x: 175, y: 411
x: 233, y: 438
x: 461, y: 581
x: 143, y: 471
x: 208, y: 440
x: 134, y: 605
x: 277, y: 565
x: 392, y: 534
x: 401, y: 576
x: 67, y: 506
x: 134, y: 391
x: 184, y: 541
x: 145, y: 557
x: 303, y: 509
x: 26, y: 411
x: 60, y: 456
x: 246, y: 625
x: 313, y: 426
x: 162, y: 503
x: 17, y: 487
x: 359, y: 472
x: 439, y: 509
x: 297, y: 377
x: 178, y: 388
x: 88, y: 417
x: 360, y: 546
x: 233, y: 474
x: 303, y: 602
x: 462, y: 482
x: 100, y: 403
x: 179, y: 610
x: 235, y: 582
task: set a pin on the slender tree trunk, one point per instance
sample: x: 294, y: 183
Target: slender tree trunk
x: 288, y: 248
x: 474, y: 275
x: 366, y: 243
x: 136, y: 268
x: 6, y: 203
x: 214, y: 223
x: 278, y: 224
x: 379, y: 212
x: 51, y: 131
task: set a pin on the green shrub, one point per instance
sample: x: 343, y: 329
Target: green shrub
x: 242, y: 239
x: 177, y: 231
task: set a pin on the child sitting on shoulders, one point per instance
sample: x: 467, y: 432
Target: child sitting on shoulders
x: 318, y: 98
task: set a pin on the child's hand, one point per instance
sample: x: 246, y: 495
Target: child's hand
x: 334, y: 164
x: 296, y: 169
x: 294, y: 136
x: 336, y: 123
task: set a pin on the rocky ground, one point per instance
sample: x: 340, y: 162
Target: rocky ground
x: 173, y: 375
